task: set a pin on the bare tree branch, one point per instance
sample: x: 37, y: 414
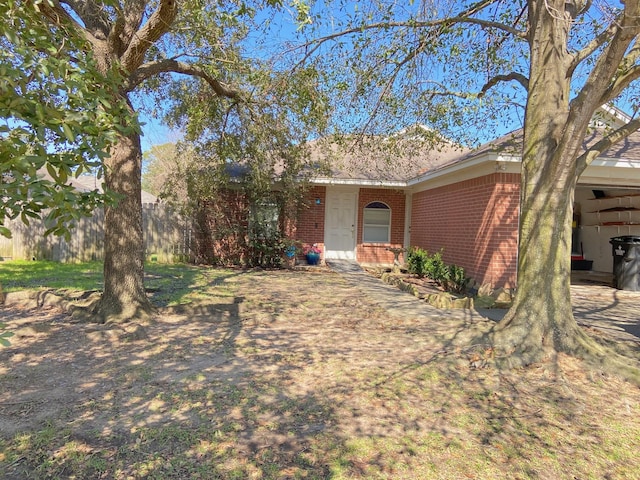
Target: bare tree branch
x: 462, y: 17
x: 133, y: 14
x: 57, y: 15
x: 584, y: 160
x: 598, y: 82
x: 518, y: 77
x: 620, y: 83
x: 158, y: 24
x: 170, y: 65
x: 94, y: 19
x: 593, y: 46
x: 114, y: 39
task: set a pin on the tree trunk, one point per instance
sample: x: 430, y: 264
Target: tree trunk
x: 124, y: 296
x: 541, y: 321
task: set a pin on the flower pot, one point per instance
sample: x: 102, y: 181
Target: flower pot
x: 313, y: 258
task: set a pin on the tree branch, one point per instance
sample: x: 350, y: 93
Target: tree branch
x: 58, y: 16
x: 158, y: 24
x: 584, y: 160
x: 598, y: 82
x: 518, y: 77
x: 173, y: 66
x: 93, y: 17
x: 620, y: 83
x: 133, y: 15
x: 593, y: 46
x: 462, y: 17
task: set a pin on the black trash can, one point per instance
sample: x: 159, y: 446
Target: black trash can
x: 626, y: 262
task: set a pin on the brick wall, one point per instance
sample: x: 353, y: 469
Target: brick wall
x: 309, y: 227
x: 376, y: 252
x: 475, y: 222
x: 221, y: 230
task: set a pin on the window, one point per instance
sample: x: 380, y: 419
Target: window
x: 264, y: 222
x: 377, y: 223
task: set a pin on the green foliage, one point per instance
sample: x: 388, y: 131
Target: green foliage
x: 59, y: 119
x: 456, y: 280
x: 248, y: 150
x: 267, y: 251
x: 451, y: 277
x: 417, y: 261
x: 436, y: 269
x: 158, y: 164
x: 391, y: 65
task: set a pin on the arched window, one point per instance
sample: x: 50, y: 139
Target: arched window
x: 377, y: 223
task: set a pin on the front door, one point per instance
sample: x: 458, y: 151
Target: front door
x: 340, y: 229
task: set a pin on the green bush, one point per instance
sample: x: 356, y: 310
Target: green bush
x: 437, y: 269
x: 450, y: 277
x: 417, y: 261
x: 456, y: 280
x: 267, y: 251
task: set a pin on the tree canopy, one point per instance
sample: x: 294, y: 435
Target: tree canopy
x: 189, y: 62
x: 59, y: 118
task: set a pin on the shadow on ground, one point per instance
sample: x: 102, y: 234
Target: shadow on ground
x: 298, y: 375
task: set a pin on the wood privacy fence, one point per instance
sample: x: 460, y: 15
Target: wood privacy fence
x: 167, y: 237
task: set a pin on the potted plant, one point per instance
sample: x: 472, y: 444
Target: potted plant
x: 291, y: 249
x: 312, y: 254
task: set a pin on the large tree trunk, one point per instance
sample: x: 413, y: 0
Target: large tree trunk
x: 541, y: 321
x: 124, y: 296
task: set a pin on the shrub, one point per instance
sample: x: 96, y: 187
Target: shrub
x: 266, y: 249
x: 417, y: 261
x: 436, y: 269
x: 456, y: 280
x: 450, y: 277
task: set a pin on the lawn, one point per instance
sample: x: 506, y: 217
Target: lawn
x: 294, y: 374
x: 167, y: 284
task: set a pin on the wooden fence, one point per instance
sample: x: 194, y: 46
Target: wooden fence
x: 167, y: 238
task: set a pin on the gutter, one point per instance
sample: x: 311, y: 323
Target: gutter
x: 358, y: 182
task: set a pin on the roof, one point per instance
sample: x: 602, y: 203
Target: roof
x: 380, y: 159
x: 511, y: 145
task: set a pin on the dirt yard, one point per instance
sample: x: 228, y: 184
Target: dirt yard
x: 294, y: 374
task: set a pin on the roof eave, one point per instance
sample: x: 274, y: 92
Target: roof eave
x: 470, y: 162
x: 359, y: 182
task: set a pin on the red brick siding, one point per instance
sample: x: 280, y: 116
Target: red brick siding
x: 475, y: 222
x: 376, y: 252
x: 221, y: 230
x: 309, y: 228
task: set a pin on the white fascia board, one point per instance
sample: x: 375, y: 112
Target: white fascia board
x: 359, y: 182
x: 614, y: 162
x: 611, y: 171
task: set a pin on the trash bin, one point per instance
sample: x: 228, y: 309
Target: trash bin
x: 626, y: 262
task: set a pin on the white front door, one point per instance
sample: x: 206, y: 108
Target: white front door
x: 340, y: 228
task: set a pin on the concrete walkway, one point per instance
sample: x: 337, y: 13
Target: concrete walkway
x: 595, y: 304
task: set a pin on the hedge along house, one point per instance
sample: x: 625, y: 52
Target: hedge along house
x: 467, y: 204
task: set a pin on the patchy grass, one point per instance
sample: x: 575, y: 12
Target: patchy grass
x: 32, y: 275
x: 257, y: 379
x: 167, y: 284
